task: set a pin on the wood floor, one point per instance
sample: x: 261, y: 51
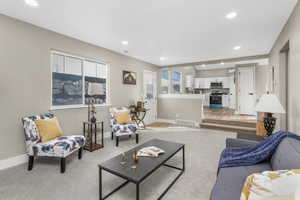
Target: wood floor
x: 225, y: 119
x: 227, y: 114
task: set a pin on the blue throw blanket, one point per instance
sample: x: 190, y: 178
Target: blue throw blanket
x: 251, y: 155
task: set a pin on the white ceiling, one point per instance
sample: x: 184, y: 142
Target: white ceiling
x: 180, y: 30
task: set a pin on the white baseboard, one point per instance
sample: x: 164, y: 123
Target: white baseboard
x: 14, y: 161
x: 196, y: 124
x: 167, y: 121
x: 18, y: 160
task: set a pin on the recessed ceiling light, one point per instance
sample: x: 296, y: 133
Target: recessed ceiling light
x: 162, y: 58
x: 32, y: 3
x: 203, y: 65
x: 237, y: 47
x: 125, y: 42
x: 231, y: 15
x: 222, y: 63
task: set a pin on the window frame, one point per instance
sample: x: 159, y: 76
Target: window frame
x: 83, y: 59
x: 180, y: 82
x: 170, y: 82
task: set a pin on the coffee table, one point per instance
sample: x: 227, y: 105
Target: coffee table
x: 145, y: 167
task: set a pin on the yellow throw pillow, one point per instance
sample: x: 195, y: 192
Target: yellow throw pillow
x: 123, y: 117
x: 48, y: 129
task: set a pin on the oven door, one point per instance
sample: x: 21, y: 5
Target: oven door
x: 215, y: 101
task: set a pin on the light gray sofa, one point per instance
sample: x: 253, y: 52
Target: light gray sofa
x: 230, y: 181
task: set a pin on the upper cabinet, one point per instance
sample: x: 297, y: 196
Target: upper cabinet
x: 189, y: 81
x: 226, y: 82
x: 204, y: 83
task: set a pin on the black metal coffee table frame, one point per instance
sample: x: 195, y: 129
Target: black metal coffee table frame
x: 137, y: 183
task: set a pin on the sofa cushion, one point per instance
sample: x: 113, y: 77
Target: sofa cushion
x: 124, y: 129
x: 230, y: 181
x: 287, y: 155
x: 59, y: 147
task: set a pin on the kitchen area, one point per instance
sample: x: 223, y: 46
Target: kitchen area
x: 218, y: 96
x: 217, y: 87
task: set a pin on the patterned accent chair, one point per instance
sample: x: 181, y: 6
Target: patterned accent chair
x: 60, y: 147
x: 119, y: 130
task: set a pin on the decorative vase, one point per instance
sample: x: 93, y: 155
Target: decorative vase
x: 269, y: 123
x: 93, y: 119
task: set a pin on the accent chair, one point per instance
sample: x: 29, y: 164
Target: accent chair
x: 119, y: 130
x: 60, y: 147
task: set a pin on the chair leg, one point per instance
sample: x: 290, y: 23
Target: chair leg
x: 117, y: 141
x: 62, y: 165
x: 137, y: 138
x: 30, y: 162
x: 80, y: 153
x: 112, y: 135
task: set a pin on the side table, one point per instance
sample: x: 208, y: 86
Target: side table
x: 138, y: 115
x: 90, y: 131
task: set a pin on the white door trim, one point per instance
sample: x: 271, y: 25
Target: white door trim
x: 155, y: 90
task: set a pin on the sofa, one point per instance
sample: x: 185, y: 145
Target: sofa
x: 230, y: 181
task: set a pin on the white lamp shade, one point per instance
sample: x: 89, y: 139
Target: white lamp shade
x: 269, y: 103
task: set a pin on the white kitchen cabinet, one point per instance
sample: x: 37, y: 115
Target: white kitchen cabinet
x: 189, y: 81
x: 206, y: 99
x: 197, y: 83
x: 225, y: 82
x: 207, y: 82
x: 225, y: 101
x: 200, y: 83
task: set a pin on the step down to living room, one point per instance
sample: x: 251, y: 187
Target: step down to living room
x: 229, y: 125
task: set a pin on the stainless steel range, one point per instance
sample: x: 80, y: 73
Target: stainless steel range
x: 215, y: 99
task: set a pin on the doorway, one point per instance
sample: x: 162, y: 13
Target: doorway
x: 150, y: 95
x: 284, y: 84
x: 246, y: 90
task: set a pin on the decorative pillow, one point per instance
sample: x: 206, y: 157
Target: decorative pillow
x: 123, y: 117
x: 273, y: 185
x: 48, y: 129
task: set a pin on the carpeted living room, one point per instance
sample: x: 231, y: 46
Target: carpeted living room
x: 147, y: 100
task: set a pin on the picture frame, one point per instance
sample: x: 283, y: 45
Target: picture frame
x: 129, y: 78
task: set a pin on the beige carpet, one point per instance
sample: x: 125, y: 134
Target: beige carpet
x: 80, y: 182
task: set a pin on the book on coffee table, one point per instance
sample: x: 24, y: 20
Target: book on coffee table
x: 151, y: 151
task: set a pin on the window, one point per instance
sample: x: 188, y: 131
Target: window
x: 95, y: 82
x: 165, y: 81
x: 176, y: 82
x: 76, y: 80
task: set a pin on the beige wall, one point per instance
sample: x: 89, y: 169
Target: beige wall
x: 261, y: 80
x: 185, y: 109
x: 25, y: 80
x: 291, y: 33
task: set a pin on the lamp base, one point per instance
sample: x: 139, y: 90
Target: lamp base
x: 269, y: 123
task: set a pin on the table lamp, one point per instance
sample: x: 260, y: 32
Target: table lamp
x: 269, y: 104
